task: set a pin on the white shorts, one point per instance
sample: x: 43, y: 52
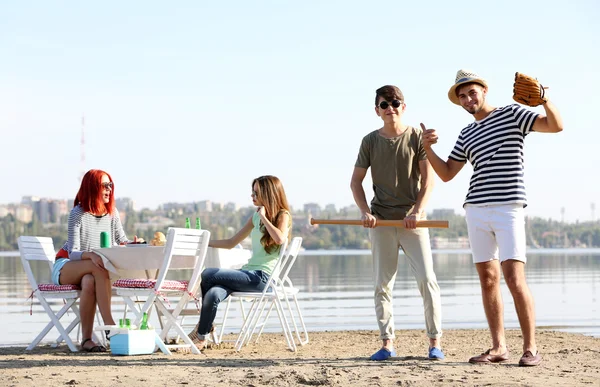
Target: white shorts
x: 496, y: 232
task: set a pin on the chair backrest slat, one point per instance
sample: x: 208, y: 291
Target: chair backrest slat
x: 188, y: 250
x: 292, y: 255
x: 35, y: 249
x: 273, y: 280
x: 187, y: 237
x: 185, y: 249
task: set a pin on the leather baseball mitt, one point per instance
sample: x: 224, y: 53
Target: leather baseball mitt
x: 528, y: 91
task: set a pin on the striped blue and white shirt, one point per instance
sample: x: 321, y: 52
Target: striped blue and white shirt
x: 494, y: 146
x: 85, y: 228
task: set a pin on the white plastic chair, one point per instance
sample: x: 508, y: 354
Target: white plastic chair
x: 277, y: 295
x: 33, y: 248
x: 185, y: 249
x: 287, y: 290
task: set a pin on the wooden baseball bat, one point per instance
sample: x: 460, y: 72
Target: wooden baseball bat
x: 380, y: 222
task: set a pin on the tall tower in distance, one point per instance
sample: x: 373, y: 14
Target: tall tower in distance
x: 82, y: 150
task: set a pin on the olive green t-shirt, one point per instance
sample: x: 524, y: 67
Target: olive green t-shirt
x: 394, y: 164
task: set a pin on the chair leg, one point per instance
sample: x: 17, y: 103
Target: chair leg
x: 173, y: 322
x: 303, y: 341
x: 54, y: 323
x: 182, y: 321
x: 223, y: 323
x: 75, y: 323
x: 276, y: 300
x: 255, y: 320
x: 181, y: 304
x: 102, y: 338
x: 289, y: 337
x: 79, y: 330
x: 129, y: 302
x: 246, y: 325
x: 263, y: 325
x: 293, y: 319
x: 242, y: 308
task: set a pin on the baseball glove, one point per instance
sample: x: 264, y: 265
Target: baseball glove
x: 528, y: 91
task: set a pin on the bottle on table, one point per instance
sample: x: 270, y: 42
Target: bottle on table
x: 198, y: 224
x: 187, y: 223
x: 104, y: 239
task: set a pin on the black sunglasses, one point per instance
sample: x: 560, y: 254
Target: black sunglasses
x: 108, y: 185
x: 385, y: 104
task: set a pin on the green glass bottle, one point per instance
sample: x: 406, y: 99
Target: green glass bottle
x: 144, y: 324
x: 198, y: 224
x: 187, y: 223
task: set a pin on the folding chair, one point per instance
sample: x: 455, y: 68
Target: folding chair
x: 185, y: 249
x: 276, y: 294
x: 288, y: 290
x: 42, y: 249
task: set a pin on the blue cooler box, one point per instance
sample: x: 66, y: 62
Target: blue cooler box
x: 133, y: 342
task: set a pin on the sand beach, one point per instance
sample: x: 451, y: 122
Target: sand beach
x: 330, y: 359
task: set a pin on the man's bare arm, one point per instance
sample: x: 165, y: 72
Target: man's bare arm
x: 446, y: 170
x: 551, y: 122
x: 427, y: 183
x: 358, y: 192
x: 360, y: 198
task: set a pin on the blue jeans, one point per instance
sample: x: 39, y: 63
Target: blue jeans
x: 218, y: 284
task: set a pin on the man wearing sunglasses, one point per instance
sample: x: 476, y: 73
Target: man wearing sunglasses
x: 494, y: 206
x: 402, y: 182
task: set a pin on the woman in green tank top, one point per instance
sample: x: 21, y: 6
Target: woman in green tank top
x: 269, y: 227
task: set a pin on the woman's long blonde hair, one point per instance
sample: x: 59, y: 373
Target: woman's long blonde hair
x: 271, y: 195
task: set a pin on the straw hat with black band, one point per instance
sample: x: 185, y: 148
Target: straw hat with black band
x: 463, y: 77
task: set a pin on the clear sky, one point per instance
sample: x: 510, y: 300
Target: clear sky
x: 190, y: 101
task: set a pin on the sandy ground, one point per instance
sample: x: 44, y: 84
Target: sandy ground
x: 330, y: 359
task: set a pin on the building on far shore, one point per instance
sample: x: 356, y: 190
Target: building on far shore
x: 443, y: 243
x: 125, y: 204
x: 155, y: 223
x: 24, y: 213
x: 313, y: 209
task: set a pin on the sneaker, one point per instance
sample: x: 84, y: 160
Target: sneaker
x: 436, y: 353
x: 383, y: 354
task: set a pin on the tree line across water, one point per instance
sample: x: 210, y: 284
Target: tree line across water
x: 541, y: 233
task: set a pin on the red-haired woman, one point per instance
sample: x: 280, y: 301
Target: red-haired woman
x: 93, y: 212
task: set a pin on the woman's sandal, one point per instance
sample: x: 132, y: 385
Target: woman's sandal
x: 95, y: 348
x: 109, y: 334
x: 193, y: 335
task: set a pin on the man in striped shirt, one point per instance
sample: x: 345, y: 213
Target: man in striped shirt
x: 494, y: 205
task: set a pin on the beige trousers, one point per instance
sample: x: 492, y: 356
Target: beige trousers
x: 385, y: 243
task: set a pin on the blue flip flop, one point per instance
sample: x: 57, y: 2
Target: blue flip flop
x: 436, y: 354
x: 383, y: 354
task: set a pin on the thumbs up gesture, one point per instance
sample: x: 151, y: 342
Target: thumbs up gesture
x: 429, y: 136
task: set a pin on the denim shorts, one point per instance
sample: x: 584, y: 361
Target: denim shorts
x: 58, y: 265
